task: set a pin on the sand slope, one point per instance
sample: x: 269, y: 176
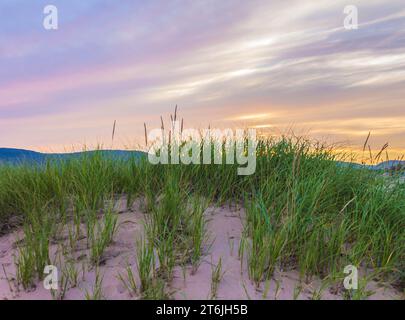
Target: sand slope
x: 224, y: 228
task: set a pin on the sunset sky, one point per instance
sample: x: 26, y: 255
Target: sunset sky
x: 268, y: 64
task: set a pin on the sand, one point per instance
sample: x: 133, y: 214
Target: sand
x: 224, y: 227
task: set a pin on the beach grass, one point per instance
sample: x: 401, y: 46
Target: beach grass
x: 304, y: 211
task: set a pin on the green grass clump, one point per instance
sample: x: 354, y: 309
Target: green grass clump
x: 101, y: 234
x: 152, y: 285
x: 33, y: 249
x: 216, y: 277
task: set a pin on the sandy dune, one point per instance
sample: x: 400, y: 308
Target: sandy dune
x: 224, y: 226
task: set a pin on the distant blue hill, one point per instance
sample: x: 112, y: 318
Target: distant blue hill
x: 386, y: 165
x: 17, y: 156
x: 390, y: 165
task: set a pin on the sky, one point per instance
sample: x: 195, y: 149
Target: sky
x: 278, y: 66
